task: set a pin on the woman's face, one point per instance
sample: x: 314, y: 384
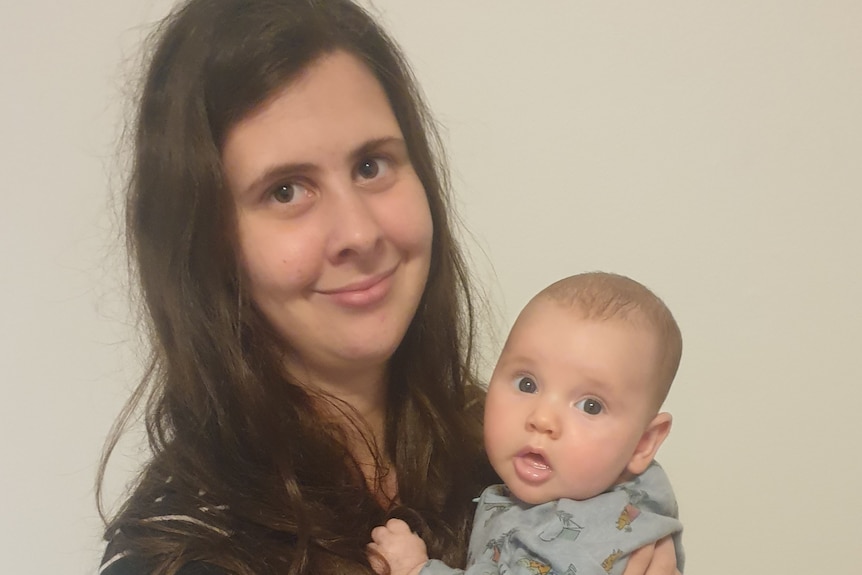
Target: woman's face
x: 334, y: 228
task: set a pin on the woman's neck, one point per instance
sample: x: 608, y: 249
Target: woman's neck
x: 356, y: 403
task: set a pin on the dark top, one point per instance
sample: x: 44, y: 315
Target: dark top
x: 131, y: 565
x: 119, y: 560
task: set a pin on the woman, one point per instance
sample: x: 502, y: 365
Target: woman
x: 309, y: 310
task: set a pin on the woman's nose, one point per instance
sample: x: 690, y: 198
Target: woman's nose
x: 356, y: 231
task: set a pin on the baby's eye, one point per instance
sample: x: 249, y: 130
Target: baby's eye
x: 287, y: 193
x: 591, y: 406
x: 526, y: 384
x: 371, y: 168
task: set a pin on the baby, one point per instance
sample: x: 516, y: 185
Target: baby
x: 572, y: 425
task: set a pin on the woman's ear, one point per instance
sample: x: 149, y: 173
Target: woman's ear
x: 650, y: 441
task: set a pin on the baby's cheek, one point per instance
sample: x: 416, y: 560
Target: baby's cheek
x: 495, y: 430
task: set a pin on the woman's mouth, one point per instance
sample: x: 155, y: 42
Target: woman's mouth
x: 363, y: 292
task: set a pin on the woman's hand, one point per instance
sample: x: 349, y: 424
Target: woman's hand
x: 656, y: 559
x: 403, y: 550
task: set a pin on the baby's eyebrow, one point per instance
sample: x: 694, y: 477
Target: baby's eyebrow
x: 509, y: 360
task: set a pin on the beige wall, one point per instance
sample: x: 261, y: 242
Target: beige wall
x: 711, y: 150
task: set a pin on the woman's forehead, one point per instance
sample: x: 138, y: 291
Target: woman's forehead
x: 331, y: 109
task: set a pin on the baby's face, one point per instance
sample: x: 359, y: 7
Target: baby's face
x: 568, y: 402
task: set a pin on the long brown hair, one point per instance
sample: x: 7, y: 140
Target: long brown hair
x: 238, y: 451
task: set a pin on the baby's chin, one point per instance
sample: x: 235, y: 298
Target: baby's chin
x: 544, y: 489
x: 531, y: 495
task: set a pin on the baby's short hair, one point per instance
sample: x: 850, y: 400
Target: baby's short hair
x: 602, y: 296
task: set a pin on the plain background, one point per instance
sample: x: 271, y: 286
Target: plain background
x: 711, y: 150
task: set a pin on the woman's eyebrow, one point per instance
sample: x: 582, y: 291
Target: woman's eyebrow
x: 376, y: 143
x: 277, y: 172
x: 280, y: 171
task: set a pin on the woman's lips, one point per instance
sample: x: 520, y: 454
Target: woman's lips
x: 362, y: 293
x: 532, y: 467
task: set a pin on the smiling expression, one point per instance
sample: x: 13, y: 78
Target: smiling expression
x: 334, y: 229
x: 568, y: 402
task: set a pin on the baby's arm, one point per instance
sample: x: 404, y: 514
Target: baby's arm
x: 403, y: 550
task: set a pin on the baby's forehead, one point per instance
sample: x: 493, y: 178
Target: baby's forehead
x: 649, y: 315
x: 545, y: 314
x: 561, y: 341
x: 544, y: 307
x: 545, y: 317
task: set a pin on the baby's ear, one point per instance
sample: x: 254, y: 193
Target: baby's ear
x: 650, y: 441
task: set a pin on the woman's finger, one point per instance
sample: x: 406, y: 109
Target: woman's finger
x: 664, y: 559
x: 639, y: 561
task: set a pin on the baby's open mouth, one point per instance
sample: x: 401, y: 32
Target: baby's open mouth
x: 532, y: 467
x: 536, y: 460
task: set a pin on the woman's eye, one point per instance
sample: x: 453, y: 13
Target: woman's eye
x: 371, y: 168
x: 288, y: 193
x: 526, y: 385
x: 591, y: 406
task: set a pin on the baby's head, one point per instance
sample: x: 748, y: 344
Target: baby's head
x: 606, y: 297
x: 573, y: 405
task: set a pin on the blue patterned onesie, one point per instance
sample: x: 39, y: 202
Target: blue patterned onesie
x: 567, y: 537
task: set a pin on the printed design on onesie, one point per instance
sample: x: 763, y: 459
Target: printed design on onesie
x: 629, y: 514
x: 535, y: 567
x: 495, y: 546
x: 495, y: 509
x: 638, y: 497
x: 611, y: 559
x: 563, y: 528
